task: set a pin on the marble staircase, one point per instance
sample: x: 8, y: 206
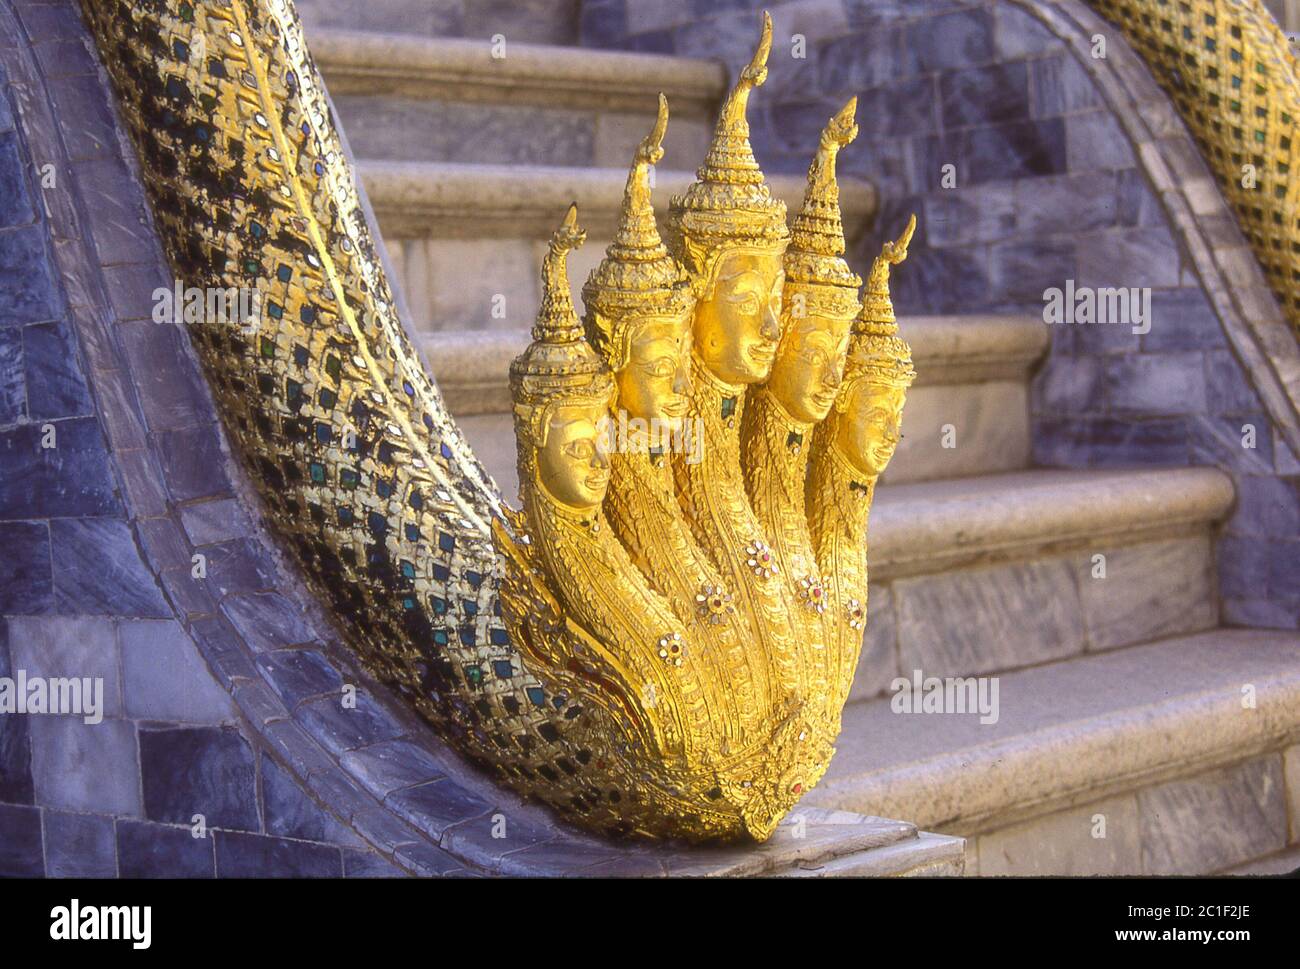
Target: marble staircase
x: 1090, y: 597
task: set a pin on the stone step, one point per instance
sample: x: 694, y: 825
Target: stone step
x: 1175, y: 757
x: 411, y: 98
x: 972, y: 374
x: 466, y: 241
x: 999, y: 572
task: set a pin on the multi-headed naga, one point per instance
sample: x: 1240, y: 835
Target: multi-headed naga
x: 660, y: 639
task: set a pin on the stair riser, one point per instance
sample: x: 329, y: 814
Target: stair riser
x: 480, y: 284
x: 418, y: 129
x: 1200, y: 823
x: 1035, y: 609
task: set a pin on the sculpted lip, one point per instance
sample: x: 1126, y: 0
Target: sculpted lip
x: 675, y: 407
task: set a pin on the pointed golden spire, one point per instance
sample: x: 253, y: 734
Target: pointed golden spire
x: 817, y: 235
x: 876, y: 350
x: 559, y: 362
x: 557, y: 322
x: 637, y: 231
x: 730, y: 154
x: 729, y: 203
x: 637, y: 277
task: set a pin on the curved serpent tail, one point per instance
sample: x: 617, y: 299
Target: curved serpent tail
x: 1228, y: 69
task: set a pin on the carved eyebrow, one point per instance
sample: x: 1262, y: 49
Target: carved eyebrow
x: 739, y: 273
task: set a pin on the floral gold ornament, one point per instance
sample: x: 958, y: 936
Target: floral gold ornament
x: 623, y: 645
x: 762, y: 560
x: 714, y: 604
x: 813, y: 592
x: 854, y: 614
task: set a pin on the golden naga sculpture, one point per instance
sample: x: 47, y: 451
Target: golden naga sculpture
x: 1229, y: 70
x: 659, y: 640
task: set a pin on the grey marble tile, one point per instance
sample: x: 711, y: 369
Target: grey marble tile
x: 957, y: 39
x: 425, y: 130
x: 1150, y: 591
x: 1156, y: 383
x: 529, y: 21
x: 20, y: 842
x: 256, y: 856
x: 1094, y: 139
x: 55, y: 386
x: 26, y: 582
x: 984, y: 95
x: 28, y: 293
x: 1131, y: 257
x: 1101, y: 838
x: 421, y: 17
x: 1060, y: 85
x: 290, y: 813
x: 1069, y: 385
x: 1182, y: 319
x: 995, y: 618
x: 13, y: 384
x: 199, y: 770
x: 146, y: 850
x: 98, y: 571
x: 79, y: 846
x: 1076, y: 203
x: 66, y: 647
x: 15, y: 202
x: 165, y: 678
x: 1214, y: 820
x: 1107, y: 443
x: 80, y: 767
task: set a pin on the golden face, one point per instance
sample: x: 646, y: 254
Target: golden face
x: 738, y: 322
x: 572, y: 464
x: 810, y: 367
x: 869, y: 428
x: 655, y: 381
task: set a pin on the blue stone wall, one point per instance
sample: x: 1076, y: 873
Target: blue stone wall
x: 77, y: 598
x: 1047, y: 189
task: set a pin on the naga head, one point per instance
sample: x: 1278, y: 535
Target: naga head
x: 639, y: 302
x: 731, y: 233
x: 869, y: 408
x: 562, y: 392
x: 821, y: 291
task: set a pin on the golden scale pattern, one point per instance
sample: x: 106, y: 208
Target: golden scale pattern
x: 1230, y: 71
x: 532, y: 639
